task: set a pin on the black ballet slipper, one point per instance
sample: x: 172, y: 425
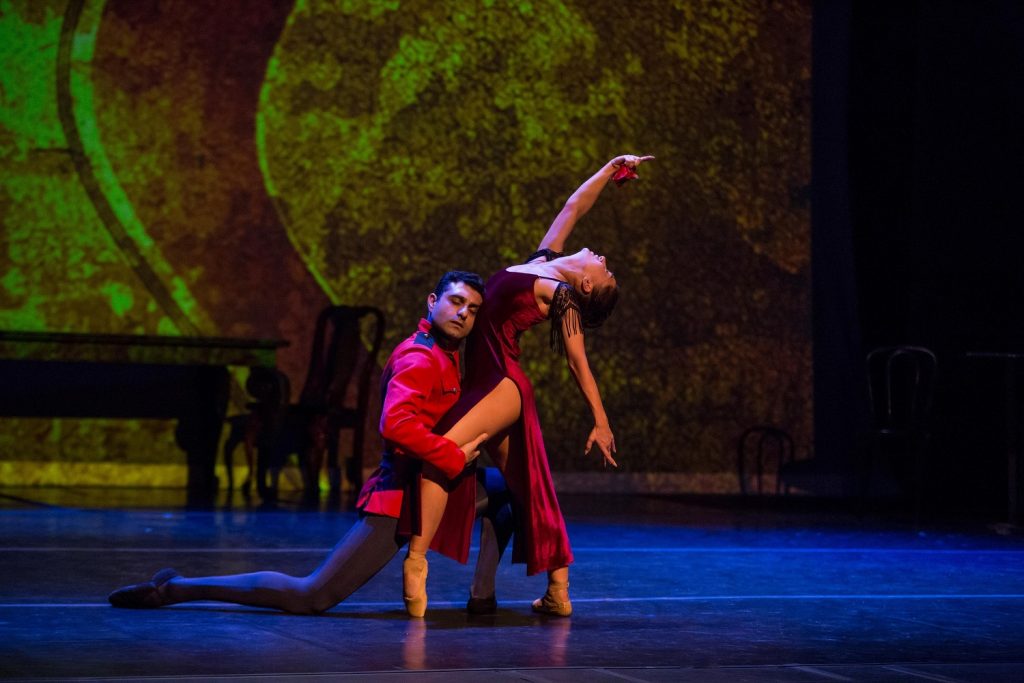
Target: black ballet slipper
x: 482, y: 605
x: 145, y: 595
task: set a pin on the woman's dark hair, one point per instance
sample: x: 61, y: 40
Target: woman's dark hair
x: 471, y: 279
x: 574, y: 311
x: 596, y: 308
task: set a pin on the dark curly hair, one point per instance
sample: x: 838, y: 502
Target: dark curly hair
x: 452, y: 276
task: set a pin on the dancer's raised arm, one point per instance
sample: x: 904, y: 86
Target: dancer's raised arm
x: 582, y: 199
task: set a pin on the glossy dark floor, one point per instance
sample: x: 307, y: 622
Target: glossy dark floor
x: 663, y: 591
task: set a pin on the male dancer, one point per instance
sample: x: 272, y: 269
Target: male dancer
x: 419, y: 384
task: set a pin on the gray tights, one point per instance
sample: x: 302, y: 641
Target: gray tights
x: 359, y: 555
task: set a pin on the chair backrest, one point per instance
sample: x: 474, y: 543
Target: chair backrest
x: 269, y: 386
x: 339, y: 356
x: 901, y: 387
x: 761, y: 441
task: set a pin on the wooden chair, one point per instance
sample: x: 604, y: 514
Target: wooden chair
x: 761, y: 443
x: 336, y: 392
x: 335, y: 396
x: 260, y: 429
x: 901, y: 387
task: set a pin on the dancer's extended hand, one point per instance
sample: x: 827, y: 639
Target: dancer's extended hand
x: 630, y: 160
x: 472, y: 449
x: 605, y: 440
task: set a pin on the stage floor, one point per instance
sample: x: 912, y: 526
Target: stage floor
x: 663, y: 590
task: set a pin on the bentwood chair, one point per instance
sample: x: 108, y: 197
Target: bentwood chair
x: 901, y: 387
x: 763, y: 443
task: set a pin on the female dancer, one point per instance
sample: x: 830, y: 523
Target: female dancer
x: 574, y: 292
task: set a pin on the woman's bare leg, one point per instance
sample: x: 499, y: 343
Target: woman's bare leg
x: 558, y: 584
x: 493, y: 414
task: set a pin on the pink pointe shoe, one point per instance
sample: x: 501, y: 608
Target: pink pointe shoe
x: 414, y: 581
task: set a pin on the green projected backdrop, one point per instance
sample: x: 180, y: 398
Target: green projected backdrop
x: 228, y: 168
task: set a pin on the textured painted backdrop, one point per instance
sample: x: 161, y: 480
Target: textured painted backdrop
x: 260, y: 159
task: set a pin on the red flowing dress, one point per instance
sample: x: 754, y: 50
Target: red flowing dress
x: 492, y: 354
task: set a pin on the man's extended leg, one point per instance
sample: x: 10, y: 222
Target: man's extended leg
x: 357, y: 558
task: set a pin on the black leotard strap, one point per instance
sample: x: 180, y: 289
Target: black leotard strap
x: 549, y: 254
x: 564, y: 314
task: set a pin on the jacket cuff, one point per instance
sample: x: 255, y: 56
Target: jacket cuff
x: 454, y: 462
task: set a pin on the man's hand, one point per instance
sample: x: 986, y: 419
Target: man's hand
x: 472, y: 449
x: 605, y: 440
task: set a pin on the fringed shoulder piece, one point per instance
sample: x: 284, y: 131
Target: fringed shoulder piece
x: 564, y: 312
x: 549, y: 254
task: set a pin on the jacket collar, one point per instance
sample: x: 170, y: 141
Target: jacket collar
x: 426, y: 328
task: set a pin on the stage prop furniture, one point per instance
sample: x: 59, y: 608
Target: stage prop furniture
x: 901, y: 387
x: 335, y: 396
x: 761, y: 443
x: 127, y: 376
x: 261, y: 428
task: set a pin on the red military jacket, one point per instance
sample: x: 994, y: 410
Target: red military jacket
x: 420, y: 383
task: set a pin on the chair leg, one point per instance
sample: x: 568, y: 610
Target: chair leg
x: 333, y: 472
x: 250, y: 470
x: 867, y: 464
x: 311, y: 460
x: 274, y: 485
x: 228, y: 456
x: 262, y: 470
x: 919, y: 455
x: 239, y: 430
x: 354, y: 464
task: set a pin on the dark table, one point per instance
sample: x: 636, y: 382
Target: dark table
x: 1012, y: 401
x: 126, y: 376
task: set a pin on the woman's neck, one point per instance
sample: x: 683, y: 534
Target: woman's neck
x: 564, y: 271
x: 559, y: 269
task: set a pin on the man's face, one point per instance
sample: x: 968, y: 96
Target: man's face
x: 453, y: 314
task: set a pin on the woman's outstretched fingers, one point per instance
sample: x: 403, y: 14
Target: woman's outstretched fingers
x: 607, y: 451
x: 631, y: 160
x: 605, y: 441
x: 634, y: 161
